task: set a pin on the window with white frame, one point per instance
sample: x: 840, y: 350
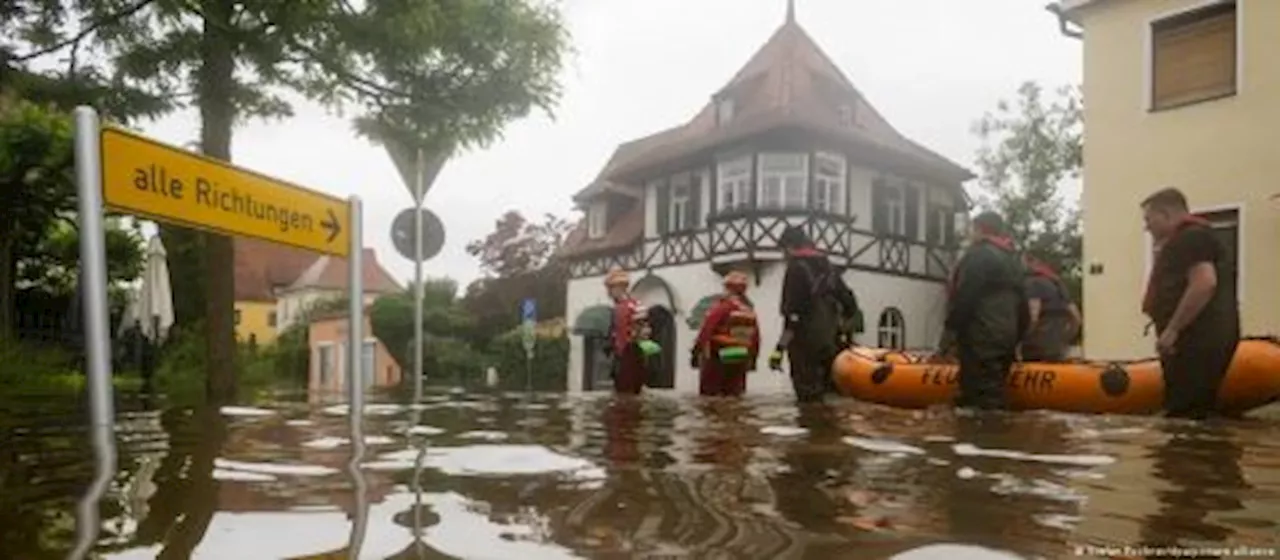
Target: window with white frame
x: 784, y: 181
x: 678, y: 218
x: 368, y: 361
x: 828, y: 183
x: 895, y: 207
x: 892, y: 329
x: 734, y: 189
x: 1193, y: 56
x: 326, y: 364
x: 597, y: 215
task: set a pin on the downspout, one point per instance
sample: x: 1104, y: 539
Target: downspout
x: 1056, y: 10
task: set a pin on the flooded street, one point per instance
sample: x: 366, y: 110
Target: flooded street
x: 502, y: 477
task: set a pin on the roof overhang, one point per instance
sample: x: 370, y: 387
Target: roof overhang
x: 1066, y: 12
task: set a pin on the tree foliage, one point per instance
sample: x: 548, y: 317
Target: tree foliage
x: 518, y: 260
x: 39, y: 240
x: 517, y: 246
x: 1031, y: 147
x: 422, y: 73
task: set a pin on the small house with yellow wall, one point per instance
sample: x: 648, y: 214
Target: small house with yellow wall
x: 1186, y: 94
x: 262, y: 270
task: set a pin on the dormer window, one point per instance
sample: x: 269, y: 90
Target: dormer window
x: 597, y: 216
x: 724, y: 111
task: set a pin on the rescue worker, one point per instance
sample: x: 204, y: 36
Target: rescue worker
x: 818, y: 309
x: 1054, y: 319
x: 728, y: 342
x: 987, y: 312
x: 1191, y: 299
x: 631, y: 347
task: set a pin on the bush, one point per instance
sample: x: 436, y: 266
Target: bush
x: 550, y: 361
x: 42, y: 369
x: 181, y: 372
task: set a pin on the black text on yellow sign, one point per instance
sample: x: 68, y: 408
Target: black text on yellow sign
x: 148, y: 178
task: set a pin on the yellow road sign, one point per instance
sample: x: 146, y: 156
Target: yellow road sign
x: 145, y: 177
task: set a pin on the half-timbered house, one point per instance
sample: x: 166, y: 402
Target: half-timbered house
x: 789, y: 140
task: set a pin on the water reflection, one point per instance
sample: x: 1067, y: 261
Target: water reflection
x: 1200, y: 464
x: 508, y: 476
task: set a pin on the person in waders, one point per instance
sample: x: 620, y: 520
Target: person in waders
x: 987, y: 313
x: 817, y: 310
x: 728, y: 342
x: 1054, y: 318
x: 1191, y: 300
x: 631, y: 347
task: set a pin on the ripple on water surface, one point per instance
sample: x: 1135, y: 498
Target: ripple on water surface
x: 593, y: 477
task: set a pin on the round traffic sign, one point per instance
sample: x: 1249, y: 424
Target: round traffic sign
x: 432, y: 234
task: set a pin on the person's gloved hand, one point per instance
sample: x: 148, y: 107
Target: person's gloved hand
x: 695, y: 360
x: 775, y: 359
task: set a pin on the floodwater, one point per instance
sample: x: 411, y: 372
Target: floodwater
x: 512, y: 477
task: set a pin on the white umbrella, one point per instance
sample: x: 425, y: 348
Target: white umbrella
x: 152, y: 303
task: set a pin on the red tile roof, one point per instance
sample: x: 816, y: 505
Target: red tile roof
x: 330, y: 273
x: 626, y: 231
x: 789, y: 81
x: 261, y: 267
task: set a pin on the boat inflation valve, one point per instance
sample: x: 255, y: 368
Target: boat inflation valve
x: 1115, y: 380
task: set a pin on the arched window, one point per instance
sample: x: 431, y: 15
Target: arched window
x: 892, y: 329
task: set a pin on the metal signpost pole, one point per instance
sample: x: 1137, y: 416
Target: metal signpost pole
x: 93, y: 269
x: 417, y: 278
x: 355, y: 326
x: 356, y: 373
x: 529, y: 319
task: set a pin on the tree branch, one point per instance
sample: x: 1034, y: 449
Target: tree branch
x: 88, y: 30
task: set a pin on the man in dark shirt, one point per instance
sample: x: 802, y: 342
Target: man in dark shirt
x: 987, y: 312
x: 817, y: 308
x: 1055, y: 319
x: 1191, y: 299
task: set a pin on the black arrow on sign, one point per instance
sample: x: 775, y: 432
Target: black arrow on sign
x: 331, y: 224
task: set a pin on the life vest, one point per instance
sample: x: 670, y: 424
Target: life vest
x: 636, y: 329
x: 739, y: 327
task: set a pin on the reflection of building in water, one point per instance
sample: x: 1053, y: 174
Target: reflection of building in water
x: 715, y: 513
x: 46, y: 465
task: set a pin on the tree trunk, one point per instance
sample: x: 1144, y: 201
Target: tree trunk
x: 217, y: 116
x: 7, y: 288
x: 185, y: 249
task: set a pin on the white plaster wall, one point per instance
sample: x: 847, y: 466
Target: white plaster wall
x: 922, y: 304
x: 582, y: 293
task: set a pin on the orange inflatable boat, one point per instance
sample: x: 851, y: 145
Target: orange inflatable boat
x: 913, y: 381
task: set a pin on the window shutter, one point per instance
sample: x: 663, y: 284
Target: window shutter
x: 932, y: 229
x: 911, y: 202
x: 664, y: 207
x: 949, y: 232
x: 695, y: 200
x: 1194, y: 57
x: 810, y: 200
x: 879, y: 211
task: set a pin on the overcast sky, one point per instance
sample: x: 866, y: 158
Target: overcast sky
x: 931, y: 67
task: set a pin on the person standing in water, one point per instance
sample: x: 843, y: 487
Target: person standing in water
x: 987, y: 312
x: 817, y: 307
x: 1191, y: 299
x: 1054, y: 318
x: 728, y: 343
x: 629, y: 335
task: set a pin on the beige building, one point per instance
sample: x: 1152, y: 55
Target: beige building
x: 328, y: 346
x: 1181, y: 93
